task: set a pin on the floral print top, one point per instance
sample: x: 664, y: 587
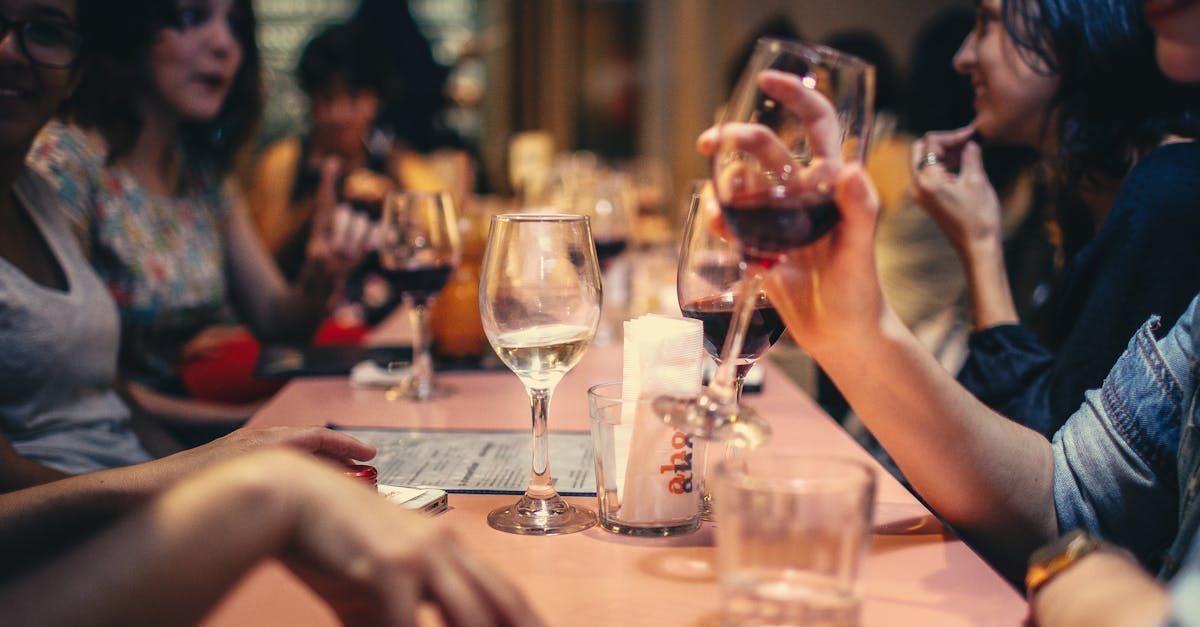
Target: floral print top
x: 162, y: 258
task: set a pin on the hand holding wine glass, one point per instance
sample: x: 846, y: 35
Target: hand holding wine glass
x: 539, y: 298
x: 798, y: 115
x: 419, y: 249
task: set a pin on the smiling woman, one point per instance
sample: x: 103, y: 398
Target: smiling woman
x: 142, y: 160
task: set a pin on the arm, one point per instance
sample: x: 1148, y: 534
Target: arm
x: 966, y: 207
x: 317, y: 521
x: 18, y: 471
x: 269, y: 197
x: 174, y: 409
x: 41, y: 520
x: 271, y: 307
x: 1105, y: 588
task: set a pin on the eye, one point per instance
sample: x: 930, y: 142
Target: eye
x: 43, y: 33
x: 191, y: 17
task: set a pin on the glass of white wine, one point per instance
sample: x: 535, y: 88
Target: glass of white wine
x: 539, y: 298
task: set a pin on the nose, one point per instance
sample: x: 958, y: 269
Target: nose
x: 966, y: 57
x: 10, y: 48
x: 221, y: 38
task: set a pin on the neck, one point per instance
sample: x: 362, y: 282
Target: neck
x: 12, y: 163
x: 154, y: 158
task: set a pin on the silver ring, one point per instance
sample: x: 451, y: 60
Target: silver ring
x: 930, y: 158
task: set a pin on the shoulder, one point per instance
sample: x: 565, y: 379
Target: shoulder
x: 279, y: 157
x: 1165, y: 182
x: 60, y: 142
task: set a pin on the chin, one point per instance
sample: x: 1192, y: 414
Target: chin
x: 1180, y: 61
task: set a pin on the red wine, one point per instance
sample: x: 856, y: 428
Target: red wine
x: 716, y: 314
x: 607, y: 250
x: 422, y: 283
x: 771, y: 231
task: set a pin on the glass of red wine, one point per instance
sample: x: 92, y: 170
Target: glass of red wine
x: 419, y: 249
x: 798, y: 114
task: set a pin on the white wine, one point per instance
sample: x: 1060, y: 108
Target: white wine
x: 541, y: 355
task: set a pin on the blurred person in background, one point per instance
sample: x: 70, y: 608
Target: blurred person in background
x: 141, y: 162
x: 344, y: 77
x: 1043, y: 76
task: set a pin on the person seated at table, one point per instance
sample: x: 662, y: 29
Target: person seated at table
x: 343, y: 79
x: 141, y: 162
x: 153, y: 552
x: 1125, y: 465
x: 1043, y: 74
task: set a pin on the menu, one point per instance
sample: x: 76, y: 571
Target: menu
x: 492, y: 462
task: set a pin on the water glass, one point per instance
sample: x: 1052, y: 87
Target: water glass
x: 792, y: 538
x: 646, y: 484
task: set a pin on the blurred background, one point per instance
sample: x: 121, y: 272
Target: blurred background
x: 624, y: 79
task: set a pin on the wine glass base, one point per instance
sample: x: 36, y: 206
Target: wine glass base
x: 541, y: 517
x: 410, y: 391
x: 705, y: 418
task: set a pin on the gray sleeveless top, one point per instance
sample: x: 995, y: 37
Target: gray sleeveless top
x: 58, y: 355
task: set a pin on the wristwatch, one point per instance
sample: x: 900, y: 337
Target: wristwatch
x: 1050, y: 560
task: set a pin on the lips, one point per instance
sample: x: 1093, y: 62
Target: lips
x: 1158, y: 9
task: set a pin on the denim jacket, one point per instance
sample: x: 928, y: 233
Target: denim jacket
x: 1127, y: 463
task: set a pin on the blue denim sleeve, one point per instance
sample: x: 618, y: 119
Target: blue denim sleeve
x: 1115, y: 460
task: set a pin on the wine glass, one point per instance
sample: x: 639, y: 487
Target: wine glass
x: 419, y: 249
x: 799, y: 113
x: 539, y: 297
x: 710, y: 277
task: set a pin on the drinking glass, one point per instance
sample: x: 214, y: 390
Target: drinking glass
x: 419, y: 249
x: 799, y: 113
x: 792, y: 539
x: 710, y: 277
x: 539, y: 297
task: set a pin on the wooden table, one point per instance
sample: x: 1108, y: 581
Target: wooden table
x: 923, y: 577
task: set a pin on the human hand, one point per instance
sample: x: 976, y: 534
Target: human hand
x: 375, y: 562
x: 319, y: 441
x: 964, y: 204
x: 340, y: 236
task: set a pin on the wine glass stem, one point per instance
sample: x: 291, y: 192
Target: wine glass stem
x: 540, y: 484
x: 422, y: 366
x: 725, y: 386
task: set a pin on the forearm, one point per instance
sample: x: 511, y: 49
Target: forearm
x: 18, y: 471
x: 139, y: 560
x: 1104, y: 588
x: 172, y: 409
x: 991, y: 297
x: 987, y: 476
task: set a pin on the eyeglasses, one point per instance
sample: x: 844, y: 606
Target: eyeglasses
x: 45, y: 42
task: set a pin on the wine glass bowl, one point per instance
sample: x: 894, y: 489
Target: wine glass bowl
x: 539, y: 300
x: 419, y: 248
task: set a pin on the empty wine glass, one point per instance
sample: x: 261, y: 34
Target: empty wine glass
x: 798, y: 114
x: 539, y: 297
x: 419, y: 249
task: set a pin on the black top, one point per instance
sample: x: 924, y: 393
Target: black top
x: 1144, y: 260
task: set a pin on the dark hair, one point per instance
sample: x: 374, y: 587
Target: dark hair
x: 118, y: 57
x: 867, y: 46
x: 1114, y: 103
x: 341, y: 53
x: 776, y: 27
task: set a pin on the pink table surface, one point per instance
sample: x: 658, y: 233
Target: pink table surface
x: 921, y: 577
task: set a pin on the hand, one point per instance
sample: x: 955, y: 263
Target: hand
x: 963, y: 204
x: 374, y: 562
x: 340, y: 236
x: 325, y: 443
x: 828, y: 291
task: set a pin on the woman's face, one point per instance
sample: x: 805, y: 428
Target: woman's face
x: 1012, y: 99
x: 194, y: 63
x: 1176, y: 24
x: 30, y: 93
x: 342, y: 116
